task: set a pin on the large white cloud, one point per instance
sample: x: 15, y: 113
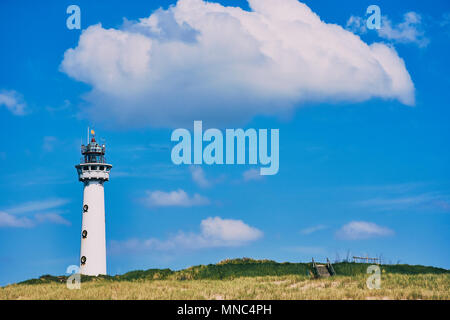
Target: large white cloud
x: 199, y: 60
x: 214, y: 232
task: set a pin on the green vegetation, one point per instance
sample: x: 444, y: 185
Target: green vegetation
x: 235, y: 268
x: 393, y: 286
x: 244, y: 279
x: 352, y: 269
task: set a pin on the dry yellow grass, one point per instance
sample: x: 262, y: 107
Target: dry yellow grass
x: 393, y: 286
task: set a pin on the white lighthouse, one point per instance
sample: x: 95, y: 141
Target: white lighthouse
x: 93, y: 171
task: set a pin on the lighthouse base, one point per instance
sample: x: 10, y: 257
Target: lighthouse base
x: 93, y: 242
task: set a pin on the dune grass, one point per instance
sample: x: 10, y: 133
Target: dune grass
x: 244, y: 279
x: 236, y: 268
x: 393, y: 286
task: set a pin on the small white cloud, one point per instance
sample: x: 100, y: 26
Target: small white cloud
x: 407, y: 31
x: 178, y: 198
x: 359, y: 230
x: 229, y: 230
x: 37, y: 206
x: 198, y: 176
x: 36, y: 211
x: 313, y: 229
x: 252, y: 174
x: 13, y: 101
x: 408, y: 202
x: 9, y: 220
x: 356, y: 24
x: 214, y: 232
x: 52, y: 218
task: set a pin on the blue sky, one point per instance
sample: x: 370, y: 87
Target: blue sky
x: 363, y: 153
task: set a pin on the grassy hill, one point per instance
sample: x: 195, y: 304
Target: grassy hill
x: 244, y: 279
x: 245, y: 267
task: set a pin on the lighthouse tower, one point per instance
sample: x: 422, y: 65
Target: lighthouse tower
x: 93, y: 171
